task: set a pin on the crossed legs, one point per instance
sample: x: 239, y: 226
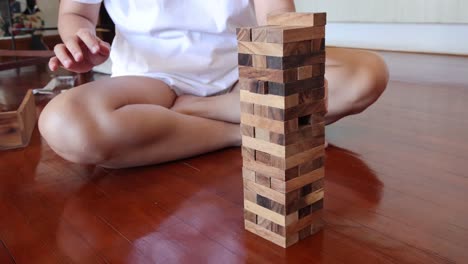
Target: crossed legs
x: 133, y: 121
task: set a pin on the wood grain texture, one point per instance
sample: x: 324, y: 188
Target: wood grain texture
x: 293, y: 34
x: 385, y: 171
x: 244, y: 34
x: 275, y: 49
x: 296, y: 183
x: 298, y: 19
x: 263, y: 74
x: 16, y: 127
x: 271, y: 125
x: 286, y: 89
x: 288, y: 62
x: 259, y: 61
x: 269, y: 100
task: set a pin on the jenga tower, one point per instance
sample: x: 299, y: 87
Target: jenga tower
x: 281, y: 68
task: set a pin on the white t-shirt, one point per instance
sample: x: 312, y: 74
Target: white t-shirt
x: 189, y: 44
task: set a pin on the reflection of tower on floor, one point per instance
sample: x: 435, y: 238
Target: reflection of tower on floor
x: 281, y: 68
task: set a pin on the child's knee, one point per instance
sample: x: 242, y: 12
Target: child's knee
x: 72, y: 132
x: 371, y: 79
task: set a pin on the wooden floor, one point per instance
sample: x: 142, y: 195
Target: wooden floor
x: 396, y: 190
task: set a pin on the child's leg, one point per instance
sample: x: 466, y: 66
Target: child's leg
x: 356, y: 79
x: 125, y: 121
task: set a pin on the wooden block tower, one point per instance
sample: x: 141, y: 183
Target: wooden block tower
x: 281, y: 68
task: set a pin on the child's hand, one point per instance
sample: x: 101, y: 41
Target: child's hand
x: 80, y: 53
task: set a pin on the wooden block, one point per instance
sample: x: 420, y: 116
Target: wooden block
x: 318, y: 45
x: 270, y: 215
x: 286, y: 89
x: 303, y: 201
x: 262, y: 180
x: 271, y: 236
x: 305, y: 132
x: 283, y: 63
x: 263, y: 201
x: 304, y: 72
x: 299, y: 111
x: 260, y: 110
x: 312, y: 94
x: 259, y: 34
x: 311, y: 165
x: 16, y: 127
x: 282, y: 102
x: 262, y: 87
x: 247, y: 108
x: 265, y: 223
x: 262, y: 157
x: 245, y: 59
x: 279, y: 76
x: 276, y: 49
x: 249, y: 195
x: 302, y: 157
x: 293, y: 34
x: 248, y: 153
x: 304, y: 109
x: 271, y: 125
x: 275, y: 113
x: 304, y: 145
x: 248, y: 174
x: 265, y: 192
x: 244, y: 34
x: 247, y: 130
x: 248, y: 85
x: 258, y: 61
x: 262, y: 134
x: 298, y: 19
x: 298, y: 182
x: 294, y: 228
x: 268, y: 147
x: 249, y: 216
x: 315, y: 186
x: 10, y: 130
x: 266, y: 169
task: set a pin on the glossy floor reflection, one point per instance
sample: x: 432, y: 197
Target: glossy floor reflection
x: 396, y: 190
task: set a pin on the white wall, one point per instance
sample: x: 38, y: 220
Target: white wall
x: 393, y: 11
x: 432, y: 26
x: 49, y: 9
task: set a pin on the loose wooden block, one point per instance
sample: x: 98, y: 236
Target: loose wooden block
x: 298, y: 19
x: 16, y: 127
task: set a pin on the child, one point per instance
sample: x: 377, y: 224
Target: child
x: 173, y: 91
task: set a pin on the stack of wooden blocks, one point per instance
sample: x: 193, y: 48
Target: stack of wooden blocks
x: 283, y: 103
